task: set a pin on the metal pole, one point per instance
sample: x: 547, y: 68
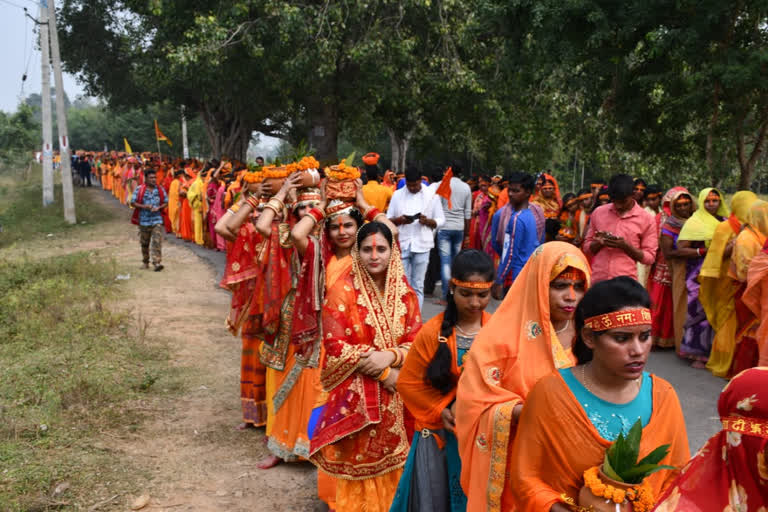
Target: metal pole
x: 61, y: 120
x: 184, y: 141
x: 45, y: 100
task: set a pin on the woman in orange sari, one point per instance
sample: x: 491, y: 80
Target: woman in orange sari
x: 186, y: 229
x: 756, y: 299
x: 748, y: 245
x: 528, y: 337
x: 370, y: 318
x: 427, y: 384
x: 573, y: 415
x: 548, y: 196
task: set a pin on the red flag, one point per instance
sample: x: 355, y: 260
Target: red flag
x: 159, y: 135
x: 444, y: 189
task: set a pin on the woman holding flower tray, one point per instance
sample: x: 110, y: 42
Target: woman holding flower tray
x: 597, y: 402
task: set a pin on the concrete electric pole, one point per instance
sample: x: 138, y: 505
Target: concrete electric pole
x: 45, y: 100
x: 184, y: 142
x: 61, y: 119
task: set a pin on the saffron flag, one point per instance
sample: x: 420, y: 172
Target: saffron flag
x: 159, y: 135
x: 127, y: 146
x: 444, y: 189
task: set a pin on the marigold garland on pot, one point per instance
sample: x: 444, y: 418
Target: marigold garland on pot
x: 342, y: 172
x: 641, y: 496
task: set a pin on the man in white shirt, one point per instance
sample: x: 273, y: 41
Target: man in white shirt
x: 417, y: 214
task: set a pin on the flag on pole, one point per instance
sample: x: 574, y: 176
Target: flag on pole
x: 159, y: 135
x: 444, y: 189
x: 127, y: 146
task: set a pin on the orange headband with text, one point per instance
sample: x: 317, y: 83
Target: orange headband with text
x: 617, y: 319
x: 746, y: 426
x: 477, y: 285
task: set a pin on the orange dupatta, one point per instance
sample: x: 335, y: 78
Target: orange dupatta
x: 510, y: 354
x: 756, y: 299
x: 556, y: 443
x: 424, y: 401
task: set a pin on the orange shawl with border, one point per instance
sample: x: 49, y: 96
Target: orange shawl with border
x: 424, y: 401
x: 510, y: 354
x: 553, y: 450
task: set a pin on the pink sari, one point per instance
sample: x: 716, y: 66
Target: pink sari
x: 215, y: 212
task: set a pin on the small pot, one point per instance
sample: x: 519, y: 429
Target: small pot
x: 345, y: 190
x: 309, y: 178
x: 274, y: 184
x: 599, y: 504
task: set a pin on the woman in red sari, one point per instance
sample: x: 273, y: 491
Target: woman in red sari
x: 676, y: 207
x: 325, y: 250
x: 370, y: 318
x: 730, y: 472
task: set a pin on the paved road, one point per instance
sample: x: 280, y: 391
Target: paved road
x: 698, y: 389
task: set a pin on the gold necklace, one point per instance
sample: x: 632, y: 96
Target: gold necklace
x: 465, y: 333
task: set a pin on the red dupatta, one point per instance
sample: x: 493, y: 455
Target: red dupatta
x: 361, y: 432
x: 730, y: 471
x: 243, y: 276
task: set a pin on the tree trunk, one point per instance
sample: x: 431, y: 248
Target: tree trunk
x: 228, y: 132
x: 747, y: 165
x: 324, y: 131
x: 711, y: 130
x: 399, y: 144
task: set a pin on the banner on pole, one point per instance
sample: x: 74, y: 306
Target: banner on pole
x: 159, y: 135
x: 127, y: 146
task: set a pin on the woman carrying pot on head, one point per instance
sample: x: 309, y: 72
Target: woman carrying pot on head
x: 324, y: 239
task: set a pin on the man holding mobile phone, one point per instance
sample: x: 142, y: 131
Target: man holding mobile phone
x: 417, y: 213
x: 620, y: 234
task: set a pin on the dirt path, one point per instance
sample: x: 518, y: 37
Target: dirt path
x: 189, y: 454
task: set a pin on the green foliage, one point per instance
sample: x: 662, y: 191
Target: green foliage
x: 19, y: 135
x: 68, y: 367
x: 94, y: 127
x: 621, y: 464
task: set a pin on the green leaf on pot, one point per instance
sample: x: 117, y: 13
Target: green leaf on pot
x: 655, y: 456
x: 608, y: 470
x: 638, y: 473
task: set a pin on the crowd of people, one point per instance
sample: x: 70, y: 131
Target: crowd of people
x: 470, y: 410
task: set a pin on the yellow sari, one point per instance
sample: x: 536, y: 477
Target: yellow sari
x: 718, y: 290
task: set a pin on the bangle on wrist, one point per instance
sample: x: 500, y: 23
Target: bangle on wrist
x: 371, y: 213
x: 316, y: 215
x: 235, y: 207
x: 383, y: 375
x: 272, y: 207
x: 252, y: 201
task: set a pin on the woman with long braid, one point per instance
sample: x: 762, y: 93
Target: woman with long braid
x: 427, y: 384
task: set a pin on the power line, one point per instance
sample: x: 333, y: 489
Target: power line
x: 14, y: 4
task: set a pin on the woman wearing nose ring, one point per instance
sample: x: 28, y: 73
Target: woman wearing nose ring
x: 324, y: 240
x: 370, y: 318
x: 528, y: 337
x: 573, y: 415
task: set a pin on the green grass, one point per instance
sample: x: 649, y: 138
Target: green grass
x: 71, y: 366
x: 23, y: 217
